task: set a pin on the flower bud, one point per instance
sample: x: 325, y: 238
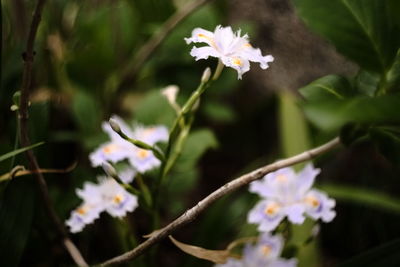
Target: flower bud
x: 109, y: 169
x: 114, y: 125
x: 206, y: 75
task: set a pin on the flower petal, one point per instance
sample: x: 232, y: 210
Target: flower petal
x: 201, y: 36
x: 241, y: 65
x: 319, y: 205
x: 203, y: 52
x: 295, y: 213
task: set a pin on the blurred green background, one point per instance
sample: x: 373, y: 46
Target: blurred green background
x: 84, y: 72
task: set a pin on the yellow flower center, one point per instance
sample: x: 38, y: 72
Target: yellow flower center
x: 271, y: 209
x: 81, y: 211
x: 281, y: 178
x: 312, y: 201
x: 142, y: 153
x: 118, y: 199
x: 247, y: 45
x: 265, y: 250
x: 237, y: 62
x: 110, y: 149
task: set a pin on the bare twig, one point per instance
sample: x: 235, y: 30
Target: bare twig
x: 20, y: 171
x: 235, y: 184
x: 23, y: 118
x: 130, y: 71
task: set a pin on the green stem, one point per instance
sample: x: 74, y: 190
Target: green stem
x: 218, y: 70
x: 145, y: 190
x: 157, y: 152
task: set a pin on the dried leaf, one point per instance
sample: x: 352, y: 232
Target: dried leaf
x: 216, y: 256
x: 241, y: 241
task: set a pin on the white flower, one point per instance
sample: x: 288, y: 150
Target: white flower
x: 107, y: 196
x: 116, y: 200
x: 266, y: 253
x: 81, y: 216
x: 170, y: 93
x: 231, y: 48
x: 127, y: 175
x: 287, y: 194
x: 118, y: 149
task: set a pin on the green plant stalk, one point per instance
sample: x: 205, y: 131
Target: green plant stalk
x: 128, y: 187
x: 144, y: 189
x: 218, y: 70
x: 177, y: 137
x: 143, y: 145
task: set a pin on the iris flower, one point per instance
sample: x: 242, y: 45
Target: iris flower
x: 287, y: 194
x: 231, y: 48
x: 107, y: 196
x: 266, y: 253
x: 118, y: 149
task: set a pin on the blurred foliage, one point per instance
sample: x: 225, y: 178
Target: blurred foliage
x: 83, y: 51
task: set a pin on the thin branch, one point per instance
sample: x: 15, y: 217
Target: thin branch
x: 130, y: 71
x: 235, y: 184
x: 23, y: 118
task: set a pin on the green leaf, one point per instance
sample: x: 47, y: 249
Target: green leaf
x: 363, y: 196
x: 328, y: 87
x: 219, y: 112
x: 393, y: 75
x: 365, y: 31
x: 385, y: 255
x: 295, y: 139
x: 293, y: 126
x: 18, y: 151
x: 387, y: 140
x: 154, y: 108
x: 367, y: 83
x: 16, y: 213
x: 185, y: 171
x: 86, y: 112
x: 333, y: 114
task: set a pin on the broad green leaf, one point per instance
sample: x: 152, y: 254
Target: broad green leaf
x: 16, y: 213
x: 365, y: 31
x: 363, y: 196
x: 295, y: 139
x: 385, y: 255
x: 86, y: 112
x: 18, y: 151
x: 197, y: 144
x: 333, y: 114
x: 184, y: 173
x: 219, y: 112
x: 328, y: 87
x: 367, y: 83
x: 293, y: 126
x: 154, y: 108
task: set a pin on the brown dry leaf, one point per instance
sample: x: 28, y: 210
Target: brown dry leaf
x: 241, y: 241
x: 216, y: 256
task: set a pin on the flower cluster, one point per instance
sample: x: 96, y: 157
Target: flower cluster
x: 107, y: 196
x: 287, y: 194
x: 231, y: 48
x: 118, y: 149
x: 265, y: 253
